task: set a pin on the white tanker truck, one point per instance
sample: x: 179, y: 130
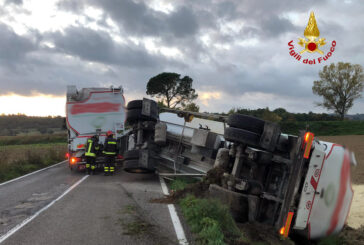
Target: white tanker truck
x: 91, y: 111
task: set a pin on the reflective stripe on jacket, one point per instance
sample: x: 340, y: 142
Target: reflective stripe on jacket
x: 91, y: 147
x: 110, y: 146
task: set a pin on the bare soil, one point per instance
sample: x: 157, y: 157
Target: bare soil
x: 354, y: 143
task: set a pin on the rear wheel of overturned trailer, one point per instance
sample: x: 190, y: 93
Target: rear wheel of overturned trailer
x: 138, y: 161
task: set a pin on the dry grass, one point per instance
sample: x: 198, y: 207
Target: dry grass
x: 16, y: 160
x: 356, y: 144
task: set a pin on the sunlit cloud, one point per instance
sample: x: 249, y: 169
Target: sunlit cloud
x: 205, y: 97
x: 35, y: 105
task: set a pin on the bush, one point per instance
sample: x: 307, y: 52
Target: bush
x: 209, y: 219
x: 181, y: 183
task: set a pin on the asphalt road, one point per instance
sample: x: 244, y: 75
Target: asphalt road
x: 98, y: 210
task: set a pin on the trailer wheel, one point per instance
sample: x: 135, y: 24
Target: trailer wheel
x: 138, y: 104
x: 249, y: 123
x: 132, y: 166
x: 135, y: 115
x: 241, y: 136
x: 135, y: 104
x: 131, y: 155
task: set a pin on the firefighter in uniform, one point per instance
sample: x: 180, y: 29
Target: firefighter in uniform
x: 109, y: 151
x: 92, y: 147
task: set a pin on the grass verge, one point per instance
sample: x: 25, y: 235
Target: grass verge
x: 210, y: 220
x: 17, y: 160
x: 181, y: 183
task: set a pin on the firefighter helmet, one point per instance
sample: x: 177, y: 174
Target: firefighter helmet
x: 109, y: 133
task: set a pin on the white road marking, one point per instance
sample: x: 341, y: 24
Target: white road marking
x: 175, y: 220
x: 27, y: 220
x: 7, y: 182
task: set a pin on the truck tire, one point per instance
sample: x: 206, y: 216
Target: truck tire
x: 138, y: 104
x: 132, y: 166
x: 131, y: 155
x: 249, y: 123
x: 135, y: 104
x: 241, y: 136
x: 135, y: 115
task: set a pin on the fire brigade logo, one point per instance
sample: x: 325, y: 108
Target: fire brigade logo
x: 311, y: 43
x: 311, y: 34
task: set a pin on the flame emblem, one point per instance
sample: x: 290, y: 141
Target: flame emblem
x: 311, y: 33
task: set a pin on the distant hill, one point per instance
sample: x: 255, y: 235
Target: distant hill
x: 11, y: 125
x: 355, y: 117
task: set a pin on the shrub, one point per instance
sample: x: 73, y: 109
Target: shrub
x: 209, y: 219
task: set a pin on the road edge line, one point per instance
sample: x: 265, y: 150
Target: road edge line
x: 27, y: 220
x: 174, y: 217
x: 37, y: 171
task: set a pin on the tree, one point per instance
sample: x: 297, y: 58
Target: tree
x: 339, y: 86
x: 161, y: 104
x: 172, y: 89
x: 270, y: 116
x: 192, y: 107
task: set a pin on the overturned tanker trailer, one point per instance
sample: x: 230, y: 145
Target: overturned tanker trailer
x: 297, y: 184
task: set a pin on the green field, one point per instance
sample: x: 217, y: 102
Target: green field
x: 17, y: 160
x: 33, y: 139
x: 322, y: 128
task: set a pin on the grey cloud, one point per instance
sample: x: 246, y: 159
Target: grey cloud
x: 71, y: 5
x: 138, y: 18
x: 274, y: 26
x: 16, y: 2
x: 13, y: 46
x: 133, y: 17
x: 183, y: 23
x: 98, y: 46
x: 49, y: 73
x: 226, y: 10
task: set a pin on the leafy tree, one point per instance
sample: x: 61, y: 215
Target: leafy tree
x: 192, y: 107
x: 339, y: 86
x: 172, y: 89
x: 161, y: 104
x: 270, y: 116
x: 282, y: 113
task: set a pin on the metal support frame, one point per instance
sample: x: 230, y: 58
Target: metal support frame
x: 178, y: 147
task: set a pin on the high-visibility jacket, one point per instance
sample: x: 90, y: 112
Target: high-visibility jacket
x: 91, y: 147
x: 110, y: 146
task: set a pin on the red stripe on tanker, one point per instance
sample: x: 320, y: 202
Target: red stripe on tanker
x: 95, y: 108
x: 344, y: 177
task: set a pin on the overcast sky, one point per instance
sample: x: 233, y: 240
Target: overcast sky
x: 235, y: 51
